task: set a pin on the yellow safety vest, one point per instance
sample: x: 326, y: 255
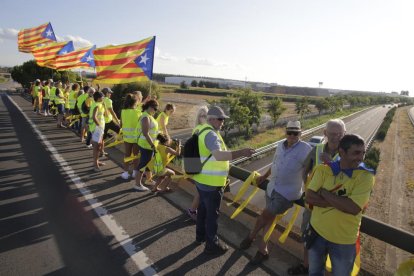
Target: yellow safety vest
x: 153, y: 131
x: 160, y: 159
x: 61, y: 98
x: 138, y: 109
x: 81, y: 99
x: 108, y: 103
x: 47, y: 92
x: 73, y: 95
x: 36, y: 91
x: 129, y: 118
x: 52, y: 96
x: 100, y: 115
x: 166, y: 117
x: 214, y: 173
x: 319, y: 151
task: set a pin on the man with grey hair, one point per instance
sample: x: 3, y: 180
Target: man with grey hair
x: 212, y: 179
x: 285, y: 185
x: 321, y: 154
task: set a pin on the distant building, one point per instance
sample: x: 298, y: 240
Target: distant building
x: 405, y: 93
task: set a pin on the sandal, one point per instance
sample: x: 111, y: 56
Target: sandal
x: 298, y: 270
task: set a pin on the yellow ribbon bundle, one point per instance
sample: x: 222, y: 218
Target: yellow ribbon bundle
x: 118, y: 137
x: 406, y: 268
x: 285, y: 233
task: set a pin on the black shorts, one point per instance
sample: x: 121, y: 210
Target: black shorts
x: 111, y: 126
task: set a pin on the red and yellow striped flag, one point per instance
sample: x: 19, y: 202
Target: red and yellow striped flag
x: 46, y: 55
x: 125, y: 63
x: 82, y: 58
x: 29, y: 38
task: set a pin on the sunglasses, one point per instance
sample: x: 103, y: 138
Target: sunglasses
x: 294, y: 133
x: 220, y: 119
x: 155, y: 108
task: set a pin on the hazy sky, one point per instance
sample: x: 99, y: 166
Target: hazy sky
x: 349, y: 44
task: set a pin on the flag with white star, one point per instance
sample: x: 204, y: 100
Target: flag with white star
x: 125, y: 63
x: 45, y: 55
x: 81, y: 58
x: 30, y: 38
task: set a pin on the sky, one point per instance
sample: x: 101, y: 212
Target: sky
x: 365, y: 45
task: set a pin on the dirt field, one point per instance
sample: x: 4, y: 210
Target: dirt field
x: 188, y: 106
x: 392, y: 200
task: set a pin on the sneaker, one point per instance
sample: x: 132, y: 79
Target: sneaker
x: 192, y: 214
x: 259, y: 258
x: 141, y: 188
x: 150, y: 182
x: 125, y: 175
x: 246, y: 243
x: 217, y: 248
x: 105, y: 153
x: 134, y: 173
x: 89, y: 146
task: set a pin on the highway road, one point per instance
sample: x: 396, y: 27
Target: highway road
x: 364, y: 125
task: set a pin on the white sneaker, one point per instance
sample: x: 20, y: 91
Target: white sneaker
x: 89, y: 146
x: 134, y: 173
x: 141, y: 188
x: 125, y: 175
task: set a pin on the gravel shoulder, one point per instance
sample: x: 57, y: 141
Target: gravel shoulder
x: 392, y: 200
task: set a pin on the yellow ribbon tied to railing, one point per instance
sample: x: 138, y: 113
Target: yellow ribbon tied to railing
x: 406, y: 268
x: 131, y: 158
x: 119, y: 139
x: 285, y: 233
x: 251, y: 180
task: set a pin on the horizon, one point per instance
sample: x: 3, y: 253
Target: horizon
x: 356, y: 45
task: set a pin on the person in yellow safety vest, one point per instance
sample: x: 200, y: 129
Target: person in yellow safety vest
x: 111, y: 119
x: 321, y: 154
x: 211, y: 180
x: 36, y: 94
x: 96, y: 127
x: 84, y: 111
x: 164, y: 116
x: 60, y: 105
x: 52, y: 97
x: 129, y: 124
x: 46, y: 97
x: 160, y: 160
x: 201, y: 119
x: 148, y: 131
x: 71, y: 104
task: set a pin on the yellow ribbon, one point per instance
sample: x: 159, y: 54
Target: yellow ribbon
x: 119, y: 139
x: 113, y: 144
x: 131, y: 158
x: 406, y: 268
x: 251, y: 180
x: 74, y: 121
x: 285, y: 233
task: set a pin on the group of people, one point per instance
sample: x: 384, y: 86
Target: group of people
x: 331, y: 176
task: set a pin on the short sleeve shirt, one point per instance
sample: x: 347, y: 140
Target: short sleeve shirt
x: 331, y: 223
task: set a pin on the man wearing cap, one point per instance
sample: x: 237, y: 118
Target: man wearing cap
x: 212, y: 179
x: 287, y: 175
x: 111, y: 120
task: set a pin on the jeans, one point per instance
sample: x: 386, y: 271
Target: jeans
x: 45, y: 106
x: 207, y: 215
x: 342, y: 257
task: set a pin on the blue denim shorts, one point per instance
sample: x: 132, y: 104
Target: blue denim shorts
x: 276, y: 204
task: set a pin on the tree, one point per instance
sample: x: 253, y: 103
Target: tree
x: 30, y: 71
x: 194, y: 83
x: 302, y: 107
x: 183, y: 85
x: 240, y: 117
x: 253, y: 102
x: 121, y: 90
x: 322, y: 105
x: 275, y: 109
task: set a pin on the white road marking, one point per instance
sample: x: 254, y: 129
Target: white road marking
x: 137, y: 255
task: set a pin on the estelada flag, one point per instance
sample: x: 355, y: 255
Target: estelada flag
x: 29, y: 38
x: 125, y: 63
x: 46, y: 55
x: 82, y: 58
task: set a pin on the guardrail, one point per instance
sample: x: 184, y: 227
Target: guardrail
x: 411, y: 114
x: 375, y: 228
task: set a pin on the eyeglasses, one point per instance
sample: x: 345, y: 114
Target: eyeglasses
x: 294, y: 133
x: 220, y: 119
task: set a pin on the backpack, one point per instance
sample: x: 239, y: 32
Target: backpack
x: 191, y: 154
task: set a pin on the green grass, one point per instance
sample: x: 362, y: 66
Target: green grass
x: 275, y: 134
x: 2, y: 79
